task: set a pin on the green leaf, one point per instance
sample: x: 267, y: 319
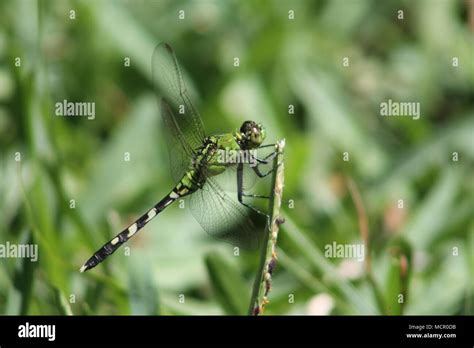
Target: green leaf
x: 23, y: 280
x: 143, y: 293
x: 398, y: 276
x: 61, y: 302
x: 433, y: 213
x: 231, y: 292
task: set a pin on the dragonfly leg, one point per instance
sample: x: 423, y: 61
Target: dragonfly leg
x: 259, y: 173
x: 269, y: 155
x: 258, y: 211
x: 250, y: 195
x: 241, y: 195
x: 262, y: 161
x: 254, y: 196
x: 268, y: 145
x: 265, y: 159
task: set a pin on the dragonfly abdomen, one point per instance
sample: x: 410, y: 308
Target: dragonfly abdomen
x: 182, y: 189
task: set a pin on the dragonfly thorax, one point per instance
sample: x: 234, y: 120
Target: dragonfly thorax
x: 251, y: 135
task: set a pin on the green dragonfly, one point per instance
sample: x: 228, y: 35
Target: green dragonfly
x: 197, y: 161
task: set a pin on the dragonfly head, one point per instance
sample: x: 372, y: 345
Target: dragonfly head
x: 252, y: 134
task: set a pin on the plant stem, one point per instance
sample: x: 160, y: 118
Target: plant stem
x: 268, y: 259
x: 364, y: 233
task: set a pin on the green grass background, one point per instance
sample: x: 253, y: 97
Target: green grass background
x: 282, y: 62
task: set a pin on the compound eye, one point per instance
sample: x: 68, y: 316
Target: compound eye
x: 256, y: 137
x: 246, y: 127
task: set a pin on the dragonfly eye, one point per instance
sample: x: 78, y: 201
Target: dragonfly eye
x: 262, y: 132
x: 247, y: 126
x: 253, y: 133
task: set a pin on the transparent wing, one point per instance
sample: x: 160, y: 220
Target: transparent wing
x: 228, y: 179
x: 179, y: 149
x: 224, y: 218
x: 168, y: 83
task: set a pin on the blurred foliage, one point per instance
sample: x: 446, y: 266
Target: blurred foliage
x: 174, y: 267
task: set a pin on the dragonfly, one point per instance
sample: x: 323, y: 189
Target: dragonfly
x: 197, y: 160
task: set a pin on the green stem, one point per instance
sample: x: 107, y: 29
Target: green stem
x: 262, y: 284
x: 364, y: 233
